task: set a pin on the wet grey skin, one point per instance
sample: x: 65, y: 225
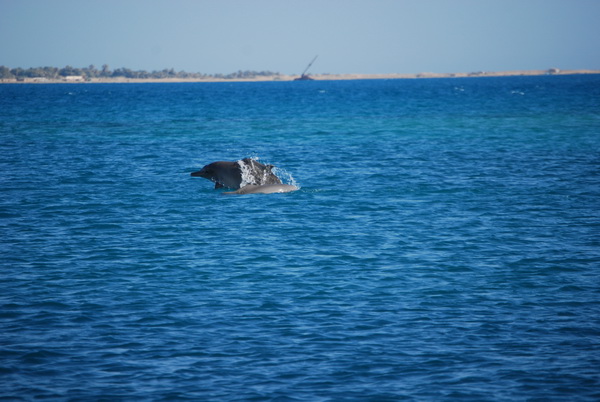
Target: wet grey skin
x: 264, y: 189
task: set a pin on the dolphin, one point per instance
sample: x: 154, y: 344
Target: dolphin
x: 232, y: 174
x: 264, y: 189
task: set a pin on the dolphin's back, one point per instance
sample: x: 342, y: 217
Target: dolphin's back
x: 253, y: 172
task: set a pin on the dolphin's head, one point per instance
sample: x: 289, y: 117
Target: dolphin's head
x: 207, y: 172
x: 223, y: 174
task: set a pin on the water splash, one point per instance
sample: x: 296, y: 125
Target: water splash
x: 248, y: 175
x: 285, y: 176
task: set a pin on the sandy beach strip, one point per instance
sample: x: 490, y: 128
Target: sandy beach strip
x: 316, y: 77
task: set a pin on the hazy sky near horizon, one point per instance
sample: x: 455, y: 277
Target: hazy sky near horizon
x: 350, y: 36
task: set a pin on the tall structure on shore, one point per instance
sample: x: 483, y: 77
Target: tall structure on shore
x: 304, y: 76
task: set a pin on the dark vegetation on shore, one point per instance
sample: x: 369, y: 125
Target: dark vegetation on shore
x: 87, y: 73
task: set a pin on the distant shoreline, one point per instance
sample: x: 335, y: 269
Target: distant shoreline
x: 281, y: 78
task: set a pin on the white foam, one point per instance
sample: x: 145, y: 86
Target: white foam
x: 247, y: 177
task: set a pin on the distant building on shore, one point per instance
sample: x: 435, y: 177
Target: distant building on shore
x: 35, y: 79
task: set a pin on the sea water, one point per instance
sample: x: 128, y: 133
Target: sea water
x: 444, y: 244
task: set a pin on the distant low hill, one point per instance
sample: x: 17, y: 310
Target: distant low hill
x: 91, y: 72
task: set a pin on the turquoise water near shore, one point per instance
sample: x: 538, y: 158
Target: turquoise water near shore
x: 444, y: 244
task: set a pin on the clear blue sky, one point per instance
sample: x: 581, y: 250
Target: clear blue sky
x: 350, y: 36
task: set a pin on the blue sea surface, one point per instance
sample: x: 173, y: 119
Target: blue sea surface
x: 444, y: 243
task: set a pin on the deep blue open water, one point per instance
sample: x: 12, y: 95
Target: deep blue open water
x: 444, y: 244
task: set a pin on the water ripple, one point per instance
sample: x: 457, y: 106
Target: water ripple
x: 443, y: 244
